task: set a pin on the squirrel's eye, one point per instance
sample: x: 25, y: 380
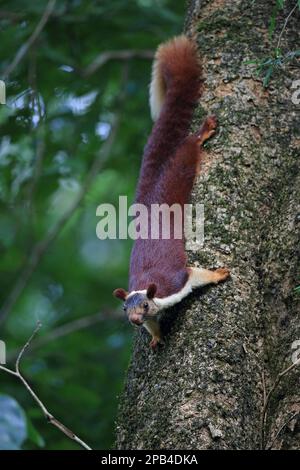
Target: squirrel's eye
x: 124, y: 308
x: 146, y: 305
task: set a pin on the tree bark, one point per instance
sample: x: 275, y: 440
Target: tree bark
x: 225, y: 345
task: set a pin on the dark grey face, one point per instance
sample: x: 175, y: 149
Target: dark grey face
x: 139, y: 307
x: 135, y: 300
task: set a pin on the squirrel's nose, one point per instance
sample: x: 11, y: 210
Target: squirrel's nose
x: 136, y: 319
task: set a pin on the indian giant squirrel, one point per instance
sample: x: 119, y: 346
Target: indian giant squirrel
x: 159, y: 275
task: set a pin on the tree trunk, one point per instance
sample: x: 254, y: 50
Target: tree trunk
x: 225, y: 345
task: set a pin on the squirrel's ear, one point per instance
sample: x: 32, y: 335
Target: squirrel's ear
x: 152, y: 288
x: 120, y: 294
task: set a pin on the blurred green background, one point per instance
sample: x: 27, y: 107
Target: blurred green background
x: 61, y: 119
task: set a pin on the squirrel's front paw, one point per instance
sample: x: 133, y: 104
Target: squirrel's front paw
x: 154, y: 343
x: 211, y: 123
x: 222, y: 274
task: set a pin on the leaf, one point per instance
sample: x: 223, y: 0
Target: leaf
x: 294, y: 54
x: 249, y: 62
x: 268, y: 76
x: 13, y: 428
x: 278, y: 52
x: 33, y: 435
x: 272, y: 22
x: 5, y: 113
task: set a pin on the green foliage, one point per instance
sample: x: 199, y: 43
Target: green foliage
x: 268, y: 66
x: 278, y: 59
x: 52, y: 128
x: 33, y: 435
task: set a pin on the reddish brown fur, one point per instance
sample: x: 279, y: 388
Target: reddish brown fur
x: 168, y: 169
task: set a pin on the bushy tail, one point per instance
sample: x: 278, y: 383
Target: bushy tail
x: 176, y: 68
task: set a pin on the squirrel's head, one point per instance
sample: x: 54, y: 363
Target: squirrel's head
x: 139, y: 306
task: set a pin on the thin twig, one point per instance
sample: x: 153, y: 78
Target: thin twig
x: 262, y: 415
x: 49, y: 417
x: 26, y: 346
x: 264, y: 386
x: 281, y: 429
x: 269, y: 395
x: 285, y: 25
x: 25, y: 47
x: 9, y: 371
x: 278, y: 379
x: 125, y: 54
x: 42, y: 246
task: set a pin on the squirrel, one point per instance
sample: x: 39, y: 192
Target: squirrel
x: 159, y: 276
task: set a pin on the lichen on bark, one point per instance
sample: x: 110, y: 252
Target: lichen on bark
x: 225, y: 344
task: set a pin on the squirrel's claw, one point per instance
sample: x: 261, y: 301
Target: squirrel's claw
x: 155, y: 342
x: 223, y: 274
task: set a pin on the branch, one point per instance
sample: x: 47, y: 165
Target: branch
x: 69, y: 328
x: 49, y: 417
x: 126, y: 54
x: 25, y: 47
x: 11, y: 16
x: 42, y: 246
x: 268, y: 398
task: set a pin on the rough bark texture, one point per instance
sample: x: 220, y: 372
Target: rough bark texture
x: 204, y: 389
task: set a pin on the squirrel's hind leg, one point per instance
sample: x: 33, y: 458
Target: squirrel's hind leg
x: 200, y: 277
x: 207, y: 129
